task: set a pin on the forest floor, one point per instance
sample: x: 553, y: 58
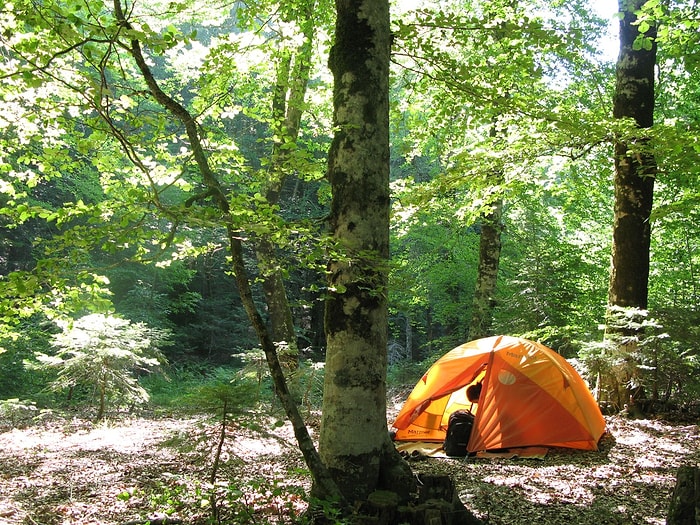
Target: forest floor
x: 66, y: 470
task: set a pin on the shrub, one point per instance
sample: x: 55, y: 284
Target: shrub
x: 104, y: 353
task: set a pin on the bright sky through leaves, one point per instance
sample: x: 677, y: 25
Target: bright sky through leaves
x: 607, y: 9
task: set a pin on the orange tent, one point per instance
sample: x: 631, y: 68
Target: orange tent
x: 531, y: 396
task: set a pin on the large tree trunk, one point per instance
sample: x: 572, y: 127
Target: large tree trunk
x: 635, y: 170
x: 354, y: 442
x: 635, y: 167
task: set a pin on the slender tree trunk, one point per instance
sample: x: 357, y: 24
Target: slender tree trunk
x: 321, y: 476
x: 635, y: 171
x: 290, y: 90
x: 354, y: 442
x: 326, y: 488
x: 103, y: 396
x: 217, y: 460
x: 278, y: 308
x: 409, y: 337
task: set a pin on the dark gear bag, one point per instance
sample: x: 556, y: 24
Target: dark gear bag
x: 459, y: 428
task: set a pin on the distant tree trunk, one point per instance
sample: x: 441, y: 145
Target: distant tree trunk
x: 635, y: 171
x: 103, y: 397
x: 316, y: 327
x: 489, y: 243
x: 354, y: 442
x: 409, y: 352
x: 288, y: 97
x: 487, y: 272
x: 279, y: 311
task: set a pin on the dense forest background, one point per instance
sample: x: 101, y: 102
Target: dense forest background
x: 498, y: 109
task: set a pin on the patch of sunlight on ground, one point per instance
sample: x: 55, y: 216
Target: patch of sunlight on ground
x: 555, y: 490
x: 123, y: 438
x: 257, y: 447
x: 634, y: 437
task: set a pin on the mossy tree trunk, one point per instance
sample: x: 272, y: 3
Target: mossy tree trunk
x: 684, y: 508
x: 487, y: 273
x: 635, y: 171
x: 354, y: 443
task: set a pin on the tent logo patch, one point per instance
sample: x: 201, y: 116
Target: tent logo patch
x: 505, y: 377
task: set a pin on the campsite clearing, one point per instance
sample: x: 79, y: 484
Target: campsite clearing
x: 71, y: 472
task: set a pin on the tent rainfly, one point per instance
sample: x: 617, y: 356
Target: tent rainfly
x: 530, y: 396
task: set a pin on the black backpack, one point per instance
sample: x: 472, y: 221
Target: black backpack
x: 459, y: 428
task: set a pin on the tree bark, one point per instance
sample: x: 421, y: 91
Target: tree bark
x: 487, y: 273
x: 354, y: 442
x: 635, y: 171
x: 685, y: 501
x: 288, y: 97
x: 635, y: 167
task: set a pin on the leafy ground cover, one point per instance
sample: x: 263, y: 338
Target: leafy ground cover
x: 67, y: 470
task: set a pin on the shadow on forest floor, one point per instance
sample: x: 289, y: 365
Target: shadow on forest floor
x: 70, y: 471
x: 628, y: 481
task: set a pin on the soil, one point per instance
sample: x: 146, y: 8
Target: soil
x: 66, y: 470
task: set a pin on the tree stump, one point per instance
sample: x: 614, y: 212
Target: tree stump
x: 438, y: 502
x: 685, y: 501
x: 435, y: 503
